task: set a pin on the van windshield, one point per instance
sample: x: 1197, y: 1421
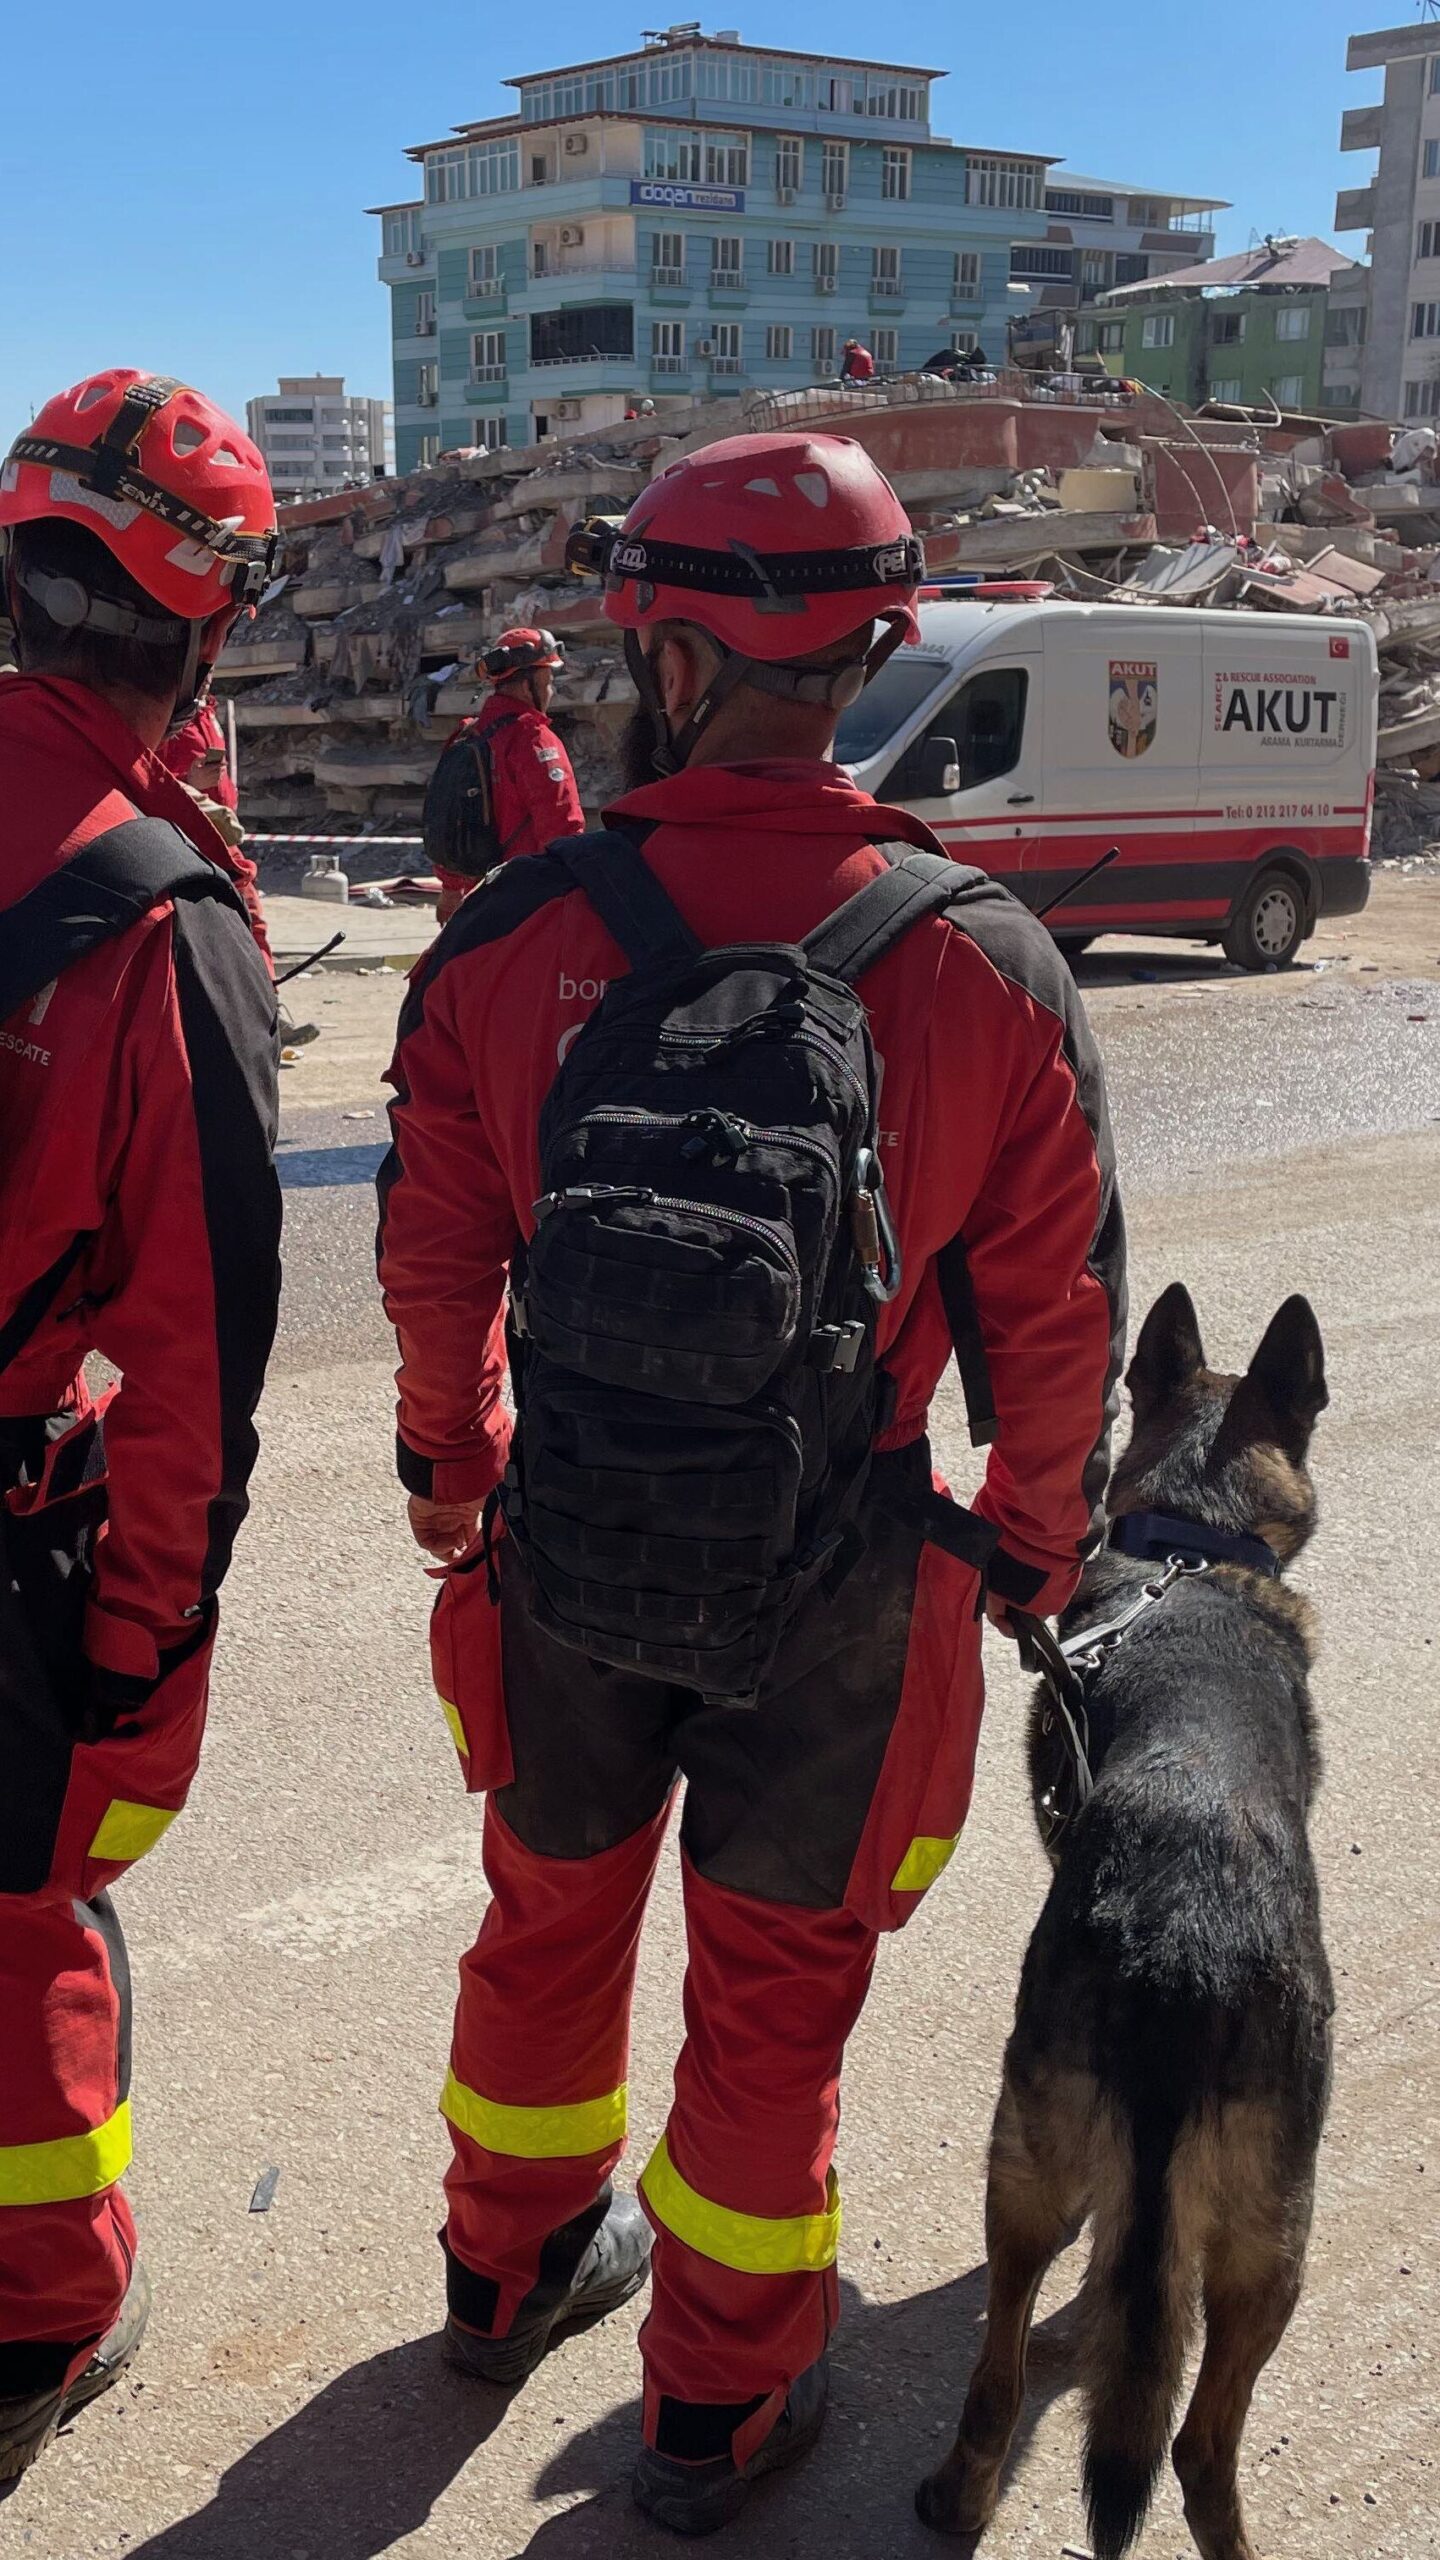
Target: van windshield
x: 904, y: 682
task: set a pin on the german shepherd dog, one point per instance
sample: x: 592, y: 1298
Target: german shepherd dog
x: 1168, y: 2072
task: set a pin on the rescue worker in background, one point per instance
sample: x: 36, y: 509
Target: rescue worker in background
x: 196, y: 755
x: 859, y: 364
x: 139, y: 1218
x: 816, y: 1821
x: 531, y: 782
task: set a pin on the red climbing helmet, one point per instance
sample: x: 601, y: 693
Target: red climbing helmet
x: 162, y: 477
x: 776, y: 545
x: 517, y: 652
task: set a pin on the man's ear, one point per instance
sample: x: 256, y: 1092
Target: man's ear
x: 682, y: 666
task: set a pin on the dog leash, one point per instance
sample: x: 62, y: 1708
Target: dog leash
x: 1067, y: 1666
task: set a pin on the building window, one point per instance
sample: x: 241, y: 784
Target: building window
x: 727, y: 160
x: 667, y: 258
x: 1292, y: 320
x: 789, y: 165
x: 1434, y: 74
x: 487, y: 355
x: 967, y: 271
x: 1230, y: 389
x: 835, y: 170
x: 400, y: 233
x: 1014, y: 185
x: 1289, y: 391
x: 429, y: 451
x: 894, y: 175
x: 672, y: 155
x: 1110, y: 337
x: 822, y: 350
x: 1085, y: 338
x: 667, y: 346
x: 779, y: 344
x: 1148, y: 213
x: 725, y: 356
x: 837, y: 96
x: 476, y: 169
x: 728, y: 263
x: 885, y: 346
x: 885, y: 277
x: 1130, y: 268
x: 427, y: 384
x: 1158, y: 329
x: 1227, y: 329
x: 1427, y: 240
x: 425, y: 315
x: 826, y: 255
x: 1086, y: 207
x: 1345, y: 326
x: 490, y: 432
x: 484, y: 270
x: 896, y: 103
x: 1032, y: 260
x: 585, y: 334
x: 1425, y: 320
x: 287, y: 417
x: 1432, y: 160
x: 779, y: 257
x: 1422, y: 399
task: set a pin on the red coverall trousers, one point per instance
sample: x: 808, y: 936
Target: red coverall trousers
x: 811, y: 1823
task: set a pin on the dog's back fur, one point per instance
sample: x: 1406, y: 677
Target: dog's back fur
x: 1168, y: 2070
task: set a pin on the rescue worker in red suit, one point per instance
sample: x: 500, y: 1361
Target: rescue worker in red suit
x: 819, y: 1820
x: 139, y: 1218
x: 532, y: 783
x: 196, y: 754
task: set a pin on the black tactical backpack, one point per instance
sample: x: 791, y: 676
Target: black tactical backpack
x: 692, y: 1329
x: 458, y: 819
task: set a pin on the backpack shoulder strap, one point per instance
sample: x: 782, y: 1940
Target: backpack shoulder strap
x: 857, y: 935
x: 109, y: 884
x: 625, y: 894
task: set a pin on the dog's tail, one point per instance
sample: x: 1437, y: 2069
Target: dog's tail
x: 1139, y: 2303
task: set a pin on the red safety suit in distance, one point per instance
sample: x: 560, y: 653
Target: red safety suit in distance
x: 201, y: 736
x: 534, y: 798
x: 818, y: 1820
x: 137, y: 1109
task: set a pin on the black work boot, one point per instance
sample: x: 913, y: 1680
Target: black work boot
x: 700, y: 2497
x: 587, y: 2267
x: 29, y: 2419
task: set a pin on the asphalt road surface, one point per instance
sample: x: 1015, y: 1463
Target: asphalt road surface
x: 295, y: 1938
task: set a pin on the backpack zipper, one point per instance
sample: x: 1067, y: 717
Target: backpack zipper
x: 629, y: 1117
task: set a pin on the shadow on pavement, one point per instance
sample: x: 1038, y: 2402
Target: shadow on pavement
x: 361, y: 2466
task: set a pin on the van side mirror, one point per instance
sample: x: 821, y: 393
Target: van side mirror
x: 938, y: 770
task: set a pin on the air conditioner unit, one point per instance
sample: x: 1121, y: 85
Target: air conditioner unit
x: 414, y: 257
x: 826, y: 366
x: 567, y: 409
x: 784, y: 195
x: 576, y: 143
x: 836, y: 203
x: 826, y: 284
x: 704, y: 346
x: 572, y: 236
x: 426, y: 399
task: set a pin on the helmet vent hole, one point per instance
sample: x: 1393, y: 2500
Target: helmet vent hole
x: 227, y: 455
x: 814, y: 486
x: 93, y: 394
x: 764, y: 488
x: 187, y: 436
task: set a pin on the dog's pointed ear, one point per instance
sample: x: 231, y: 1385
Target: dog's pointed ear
x: 1288, y: 1370
x: 1167, y: 1354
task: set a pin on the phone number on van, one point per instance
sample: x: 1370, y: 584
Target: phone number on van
x: 1278, y: 809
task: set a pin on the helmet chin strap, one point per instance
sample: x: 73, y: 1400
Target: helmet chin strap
x: 833, y: 687
x: 202, y: 648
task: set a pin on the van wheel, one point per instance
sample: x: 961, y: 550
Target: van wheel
x: 1268, y: 926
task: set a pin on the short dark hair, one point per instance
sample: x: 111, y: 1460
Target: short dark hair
x: 61, y: 549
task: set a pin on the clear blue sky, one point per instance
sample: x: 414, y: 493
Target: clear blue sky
x: 191, y: 200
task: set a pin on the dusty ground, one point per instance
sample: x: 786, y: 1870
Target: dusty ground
x: 294, y: 1939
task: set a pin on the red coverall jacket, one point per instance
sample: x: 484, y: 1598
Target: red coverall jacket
x: 137, y: 1106
x: 535, y: 798
x: 993, y: 1129
x: 201, y: 736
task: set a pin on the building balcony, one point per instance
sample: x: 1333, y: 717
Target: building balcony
x: 728, y: 292
x: 1355, y: 208
x: 668, y: 370
x: 727, y: 364
x: 887, y: 289
x: 667, y: 279
x: 1360, y: 128
x: 406, y: 266
x: 486, y: 301
x: 484, y: 380
x: 962, y: 303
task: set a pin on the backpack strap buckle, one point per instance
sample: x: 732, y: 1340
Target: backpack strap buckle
x: 837, y: 1346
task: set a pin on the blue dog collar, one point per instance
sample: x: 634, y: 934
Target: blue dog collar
x: 1156, y: 1536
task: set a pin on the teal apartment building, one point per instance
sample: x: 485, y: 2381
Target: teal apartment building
x: 698, y: 218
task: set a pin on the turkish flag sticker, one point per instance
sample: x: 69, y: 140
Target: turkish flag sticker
x: 1339, y: 648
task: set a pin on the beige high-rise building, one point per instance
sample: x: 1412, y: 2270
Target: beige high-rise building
x: 316, y: 438
x: 1399, y: 207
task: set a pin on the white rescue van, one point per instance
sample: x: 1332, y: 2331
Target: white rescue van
x: 1229, y: 756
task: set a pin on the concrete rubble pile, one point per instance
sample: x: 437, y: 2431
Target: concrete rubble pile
x: 362, y: 657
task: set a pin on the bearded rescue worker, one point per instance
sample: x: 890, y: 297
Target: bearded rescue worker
x: 529, y: 783
x: 139, y: 1218
x: 759, y: 584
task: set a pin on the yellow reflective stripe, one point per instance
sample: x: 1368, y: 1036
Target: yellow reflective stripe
x: 923, y: 1861
x: 748, y: 2241
x: 457, y: 1730
x: 536, y: 2133
x: 128, y: 1830
x: 75, y: 2164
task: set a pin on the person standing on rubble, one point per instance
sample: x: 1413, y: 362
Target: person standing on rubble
x: 504, y: 784
x: 714, y: 1546
x: 140, y: 1219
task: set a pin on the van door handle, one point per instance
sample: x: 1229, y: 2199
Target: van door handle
x: 1020, y: 800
